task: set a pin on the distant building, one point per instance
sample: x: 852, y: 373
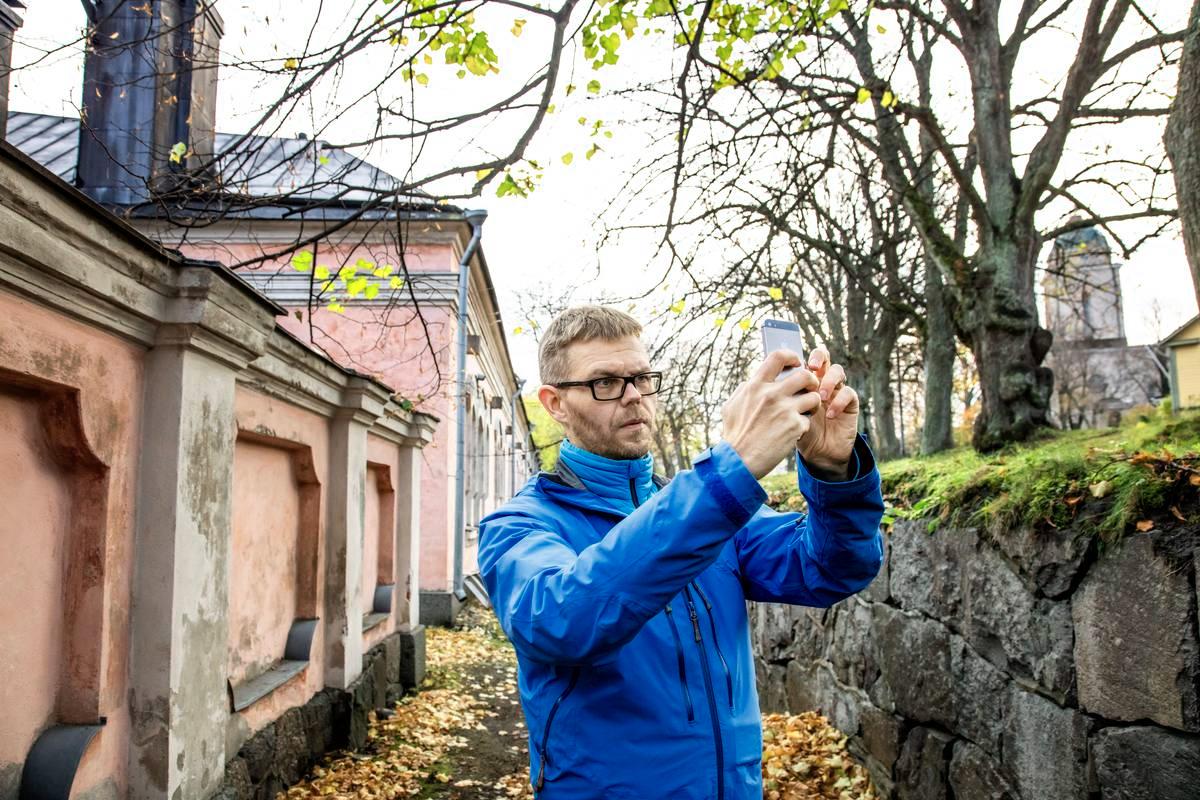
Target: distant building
x: 1183, y: 348
x: 1097, y: 375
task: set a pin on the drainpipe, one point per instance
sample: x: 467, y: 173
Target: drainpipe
x: 476, y: 218
x: 512, y: 462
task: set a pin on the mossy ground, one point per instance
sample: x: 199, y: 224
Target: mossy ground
x: 1140, y: 475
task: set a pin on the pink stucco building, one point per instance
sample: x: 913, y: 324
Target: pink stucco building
x: 299, y: 190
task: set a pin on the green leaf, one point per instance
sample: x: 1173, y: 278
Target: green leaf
x: 372, y: 291
x: 594, y: 86
x: 322, y: 273
x: 396, y: 283
x: 303, y: 261
x: 567, y: 158
x: 178, y: 151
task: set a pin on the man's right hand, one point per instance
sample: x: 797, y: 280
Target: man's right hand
x: 764, y: 418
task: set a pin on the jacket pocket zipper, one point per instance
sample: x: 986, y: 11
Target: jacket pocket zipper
x: 708, y: 688
x: 713, y: 624
x: 687, y: 696
x: 542, y: 757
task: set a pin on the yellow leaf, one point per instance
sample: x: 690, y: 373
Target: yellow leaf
x: 864, y: 94
x: 568, y: 158
x: 889, y: 99
x: 881, y: 29
x: 291, y: 63
x: 422, y: 79
x: 677, y: 307
x: 483, y: 173
x: 337, y: 308
x: 396, y: 283
x: 744, y: 324
x: 517, y: 331
x: 719, y: 321
x: 775, y: 293
x: 517, y: 26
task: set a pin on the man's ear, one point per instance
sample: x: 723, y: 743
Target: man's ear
x: 552, y: 401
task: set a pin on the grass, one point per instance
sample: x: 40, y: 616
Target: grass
x: 1111, y: 478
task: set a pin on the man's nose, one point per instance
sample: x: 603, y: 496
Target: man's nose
x: 631, y: 394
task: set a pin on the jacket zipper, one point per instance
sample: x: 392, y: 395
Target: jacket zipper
x: 713, y: 624
x: 633, y: 492
x: 712, y: 700
x: 687, y: 696
x: 543, y: 759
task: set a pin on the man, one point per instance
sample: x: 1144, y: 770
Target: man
x: 624, y: 595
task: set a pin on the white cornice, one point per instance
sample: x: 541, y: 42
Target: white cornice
x: 295, y: 289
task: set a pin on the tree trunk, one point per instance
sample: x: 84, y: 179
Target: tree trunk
x: 1009, y: 346
x: 1183, y: 144
x: 668, y: 467
x: 937, y: 432
x: 879, y: 383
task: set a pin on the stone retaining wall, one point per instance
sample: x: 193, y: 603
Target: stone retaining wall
x: 1021, y: 667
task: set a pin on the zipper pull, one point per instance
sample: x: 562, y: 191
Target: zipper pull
x: 541, y: 772
x: 695, y: 620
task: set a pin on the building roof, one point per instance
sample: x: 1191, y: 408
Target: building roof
x: 272, y: 174
x: 281, y: 178
x: 1167, y: 339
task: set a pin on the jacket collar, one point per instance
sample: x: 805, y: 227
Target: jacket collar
x: 565, y: 486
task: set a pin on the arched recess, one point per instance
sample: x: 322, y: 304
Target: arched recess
x: 290, y: 656
x: 379, y: 583
x: 54, y: 534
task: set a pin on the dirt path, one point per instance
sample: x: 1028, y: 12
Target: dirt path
x: 462, y: 736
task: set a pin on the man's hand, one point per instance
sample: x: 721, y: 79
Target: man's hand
x: 765, y: 419
x: 828, y: 442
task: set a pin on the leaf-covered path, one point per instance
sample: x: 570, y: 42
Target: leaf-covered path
x: 462, y: 736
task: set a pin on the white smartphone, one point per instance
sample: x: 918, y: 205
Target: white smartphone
x: 780, y: 334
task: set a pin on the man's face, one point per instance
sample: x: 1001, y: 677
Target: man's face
x: 613, y: 428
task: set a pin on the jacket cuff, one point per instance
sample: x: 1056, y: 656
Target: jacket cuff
x: 733, y: 486
x: 864, y: 476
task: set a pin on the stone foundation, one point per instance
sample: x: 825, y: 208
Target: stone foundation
x: 439, y: 608
x: 1019, y: 667
x: 283, y: 752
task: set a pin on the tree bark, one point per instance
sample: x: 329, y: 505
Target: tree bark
x: 879, y: 382
x: 1183, y: 145
x: 937, y: 432
x: 1009, y: 345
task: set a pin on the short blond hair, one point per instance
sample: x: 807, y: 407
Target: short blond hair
x: 580, y: 324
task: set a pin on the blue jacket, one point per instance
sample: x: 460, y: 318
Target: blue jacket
x: 630, y: 626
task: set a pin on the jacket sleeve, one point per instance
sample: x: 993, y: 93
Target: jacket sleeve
x: 563, y: 607
x: 825, y: 556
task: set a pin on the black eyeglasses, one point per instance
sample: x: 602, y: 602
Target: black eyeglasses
x: 612, y: 387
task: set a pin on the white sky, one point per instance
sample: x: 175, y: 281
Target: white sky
x: 548, y: 239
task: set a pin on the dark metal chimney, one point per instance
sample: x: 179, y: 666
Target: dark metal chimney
x: 149, y: 86
x: 10, y: 20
